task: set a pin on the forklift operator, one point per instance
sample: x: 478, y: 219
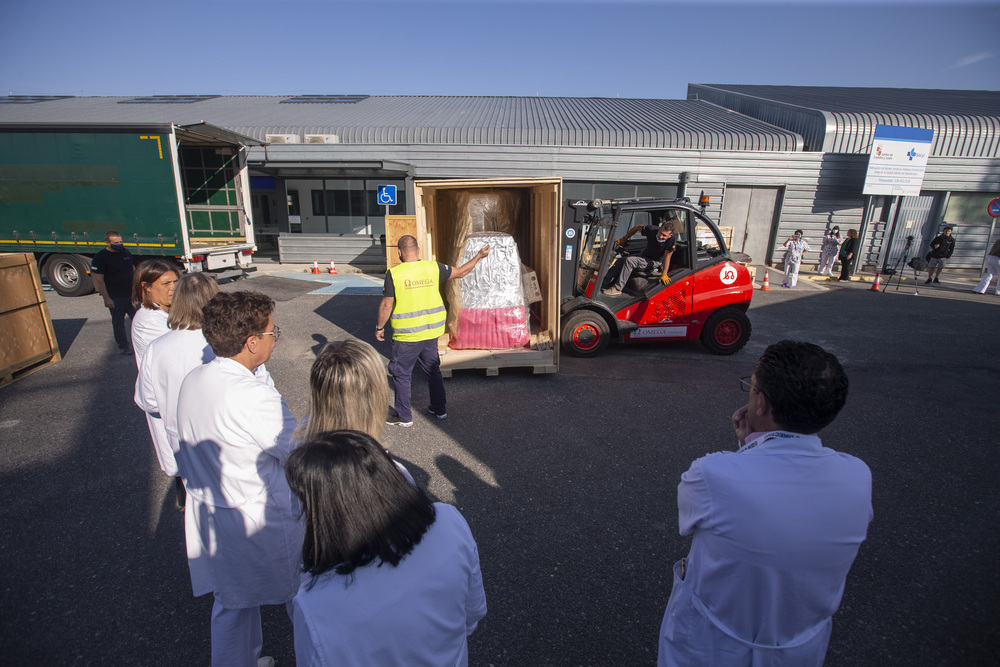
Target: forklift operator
x: 656, y: 256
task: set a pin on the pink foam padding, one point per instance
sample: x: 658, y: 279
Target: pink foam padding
x: 491, y: 329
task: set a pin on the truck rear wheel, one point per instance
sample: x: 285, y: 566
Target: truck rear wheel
x: 585, y: 334
x: 69, y: 275
x: 726, y: 331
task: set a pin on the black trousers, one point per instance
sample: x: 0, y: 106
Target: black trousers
x: 123, y: 307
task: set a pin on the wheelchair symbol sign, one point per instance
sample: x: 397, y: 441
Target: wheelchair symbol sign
x: 387, y: 195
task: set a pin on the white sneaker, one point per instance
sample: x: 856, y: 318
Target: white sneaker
x: 394, y: 420
x: 265, y: 661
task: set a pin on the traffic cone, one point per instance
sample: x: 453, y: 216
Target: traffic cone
x: 315, y: 267
x: 333, y: 268
x: 766, y: 286
x: 877, y: 285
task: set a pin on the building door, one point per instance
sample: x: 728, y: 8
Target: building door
x: 749, y: 217
x: 916, y: 217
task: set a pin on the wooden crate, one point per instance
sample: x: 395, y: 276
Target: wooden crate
x: 27, y: 340
x: 536, y: 232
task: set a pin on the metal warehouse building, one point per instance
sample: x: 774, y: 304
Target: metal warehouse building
x: 771, y: 158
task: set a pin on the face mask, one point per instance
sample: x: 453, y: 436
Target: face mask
x: 117, y: 247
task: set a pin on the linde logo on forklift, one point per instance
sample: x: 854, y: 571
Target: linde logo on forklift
x: 615, y: 286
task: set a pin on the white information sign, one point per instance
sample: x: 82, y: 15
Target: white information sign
x: 898, y: 159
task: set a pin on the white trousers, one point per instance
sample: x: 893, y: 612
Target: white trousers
x: 791, y: 273
x: 992, y: 270
x: 826, y: 260
x: 236, y: 635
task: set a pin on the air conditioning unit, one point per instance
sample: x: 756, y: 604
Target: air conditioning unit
x: 281, y: 138
x: 322, y: 139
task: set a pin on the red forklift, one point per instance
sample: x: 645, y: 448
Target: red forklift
x: 706, y: 298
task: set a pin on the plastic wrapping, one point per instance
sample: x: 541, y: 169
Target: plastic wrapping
x: 469, y: 212
x: 493, y: 314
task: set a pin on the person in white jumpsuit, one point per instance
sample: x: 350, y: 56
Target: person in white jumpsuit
x: 992, y: 270
x: 795, y: 249
x: 828, y: 253
x: 242, y: 523
x: 776, y: 525
x: 152, y: 293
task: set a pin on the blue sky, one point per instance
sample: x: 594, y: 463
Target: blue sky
x: 645, y: 49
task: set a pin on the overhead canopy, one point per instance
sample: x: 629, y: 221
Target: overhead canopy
x: 194, y: 133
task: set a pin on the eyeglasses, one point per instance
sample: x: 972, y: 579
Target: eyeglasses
x: 276, y: 333
x: 745, y: 384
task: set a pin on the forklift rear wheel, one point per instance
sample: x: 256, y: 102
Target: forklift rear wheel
x: 586, y: 334
x: 726, y: 331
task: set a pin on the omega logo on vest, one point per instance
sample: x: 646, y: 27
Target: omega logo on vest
x: 426, y: 282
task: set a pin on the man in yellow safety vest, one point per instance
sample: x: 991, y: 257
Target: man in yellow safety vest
x: 411, y: 295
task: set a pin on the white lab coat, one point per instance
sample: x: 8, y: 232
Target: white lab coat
x: 167, y: 362
x: 776, y: 528
x: 242, y: 525
x: 417, y: 613
x: 148, y: 324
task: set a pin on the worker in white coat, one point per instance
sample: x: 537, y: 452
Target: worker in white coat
x: 776, y: 525
x: 242, y: 523
x: 152, y: 293
x: 169, y: 359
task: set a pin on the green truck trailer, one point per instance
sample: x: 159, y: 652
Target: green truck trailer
x: 174, y: 191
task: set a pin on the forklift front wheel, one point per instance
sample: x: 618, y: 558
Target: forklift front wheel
x: 726, y: 331
x: 585, y: 334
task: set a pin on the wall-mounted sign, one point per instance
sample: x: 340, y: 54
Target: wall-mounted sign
x: 897, y: 161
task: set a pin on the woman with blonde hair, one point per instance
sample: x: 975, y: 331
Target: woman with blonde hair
x: 347, y: 390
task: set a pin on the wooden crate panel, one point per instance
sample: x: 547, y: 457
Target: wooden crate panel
x: 27, y: 340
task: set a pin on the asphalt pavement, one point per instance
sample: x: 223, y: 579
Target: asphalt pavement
x: 567, y: 480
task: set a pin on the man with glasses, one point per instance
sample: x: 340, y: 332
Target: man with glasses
x: 776, y: 524
x: 242, y: 525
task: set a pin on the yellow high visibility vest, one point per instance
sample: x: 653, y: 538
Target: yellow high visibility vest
x: 418, y: 313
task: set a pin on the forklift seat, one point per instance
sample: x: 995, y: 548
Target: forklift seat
x: 643, y: 279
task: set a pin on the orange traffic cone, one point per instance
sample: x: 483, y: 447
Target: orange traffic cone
x: 333, y: 268
x: 877, y: 284
x: 766, y: 286
x: 315, y: 267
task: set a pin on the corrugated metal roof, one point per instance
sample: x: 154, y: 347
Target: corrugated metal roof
x: 540, y: 121
x: 966, y: 123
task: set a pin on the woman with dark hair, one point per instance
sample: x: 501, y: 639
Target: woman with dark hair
x: 392, y: 578
x: 152, y: 292
x: 847, y: 252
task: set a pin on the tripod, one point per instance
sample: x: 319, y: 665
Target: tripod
x: 896, y: 273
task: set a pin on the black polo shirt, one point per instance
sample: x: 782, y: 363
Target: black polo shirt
x: 116, y: 267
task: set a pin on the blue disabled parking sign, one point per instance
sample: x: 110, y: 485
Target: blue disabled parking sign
x: 387, y: 195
